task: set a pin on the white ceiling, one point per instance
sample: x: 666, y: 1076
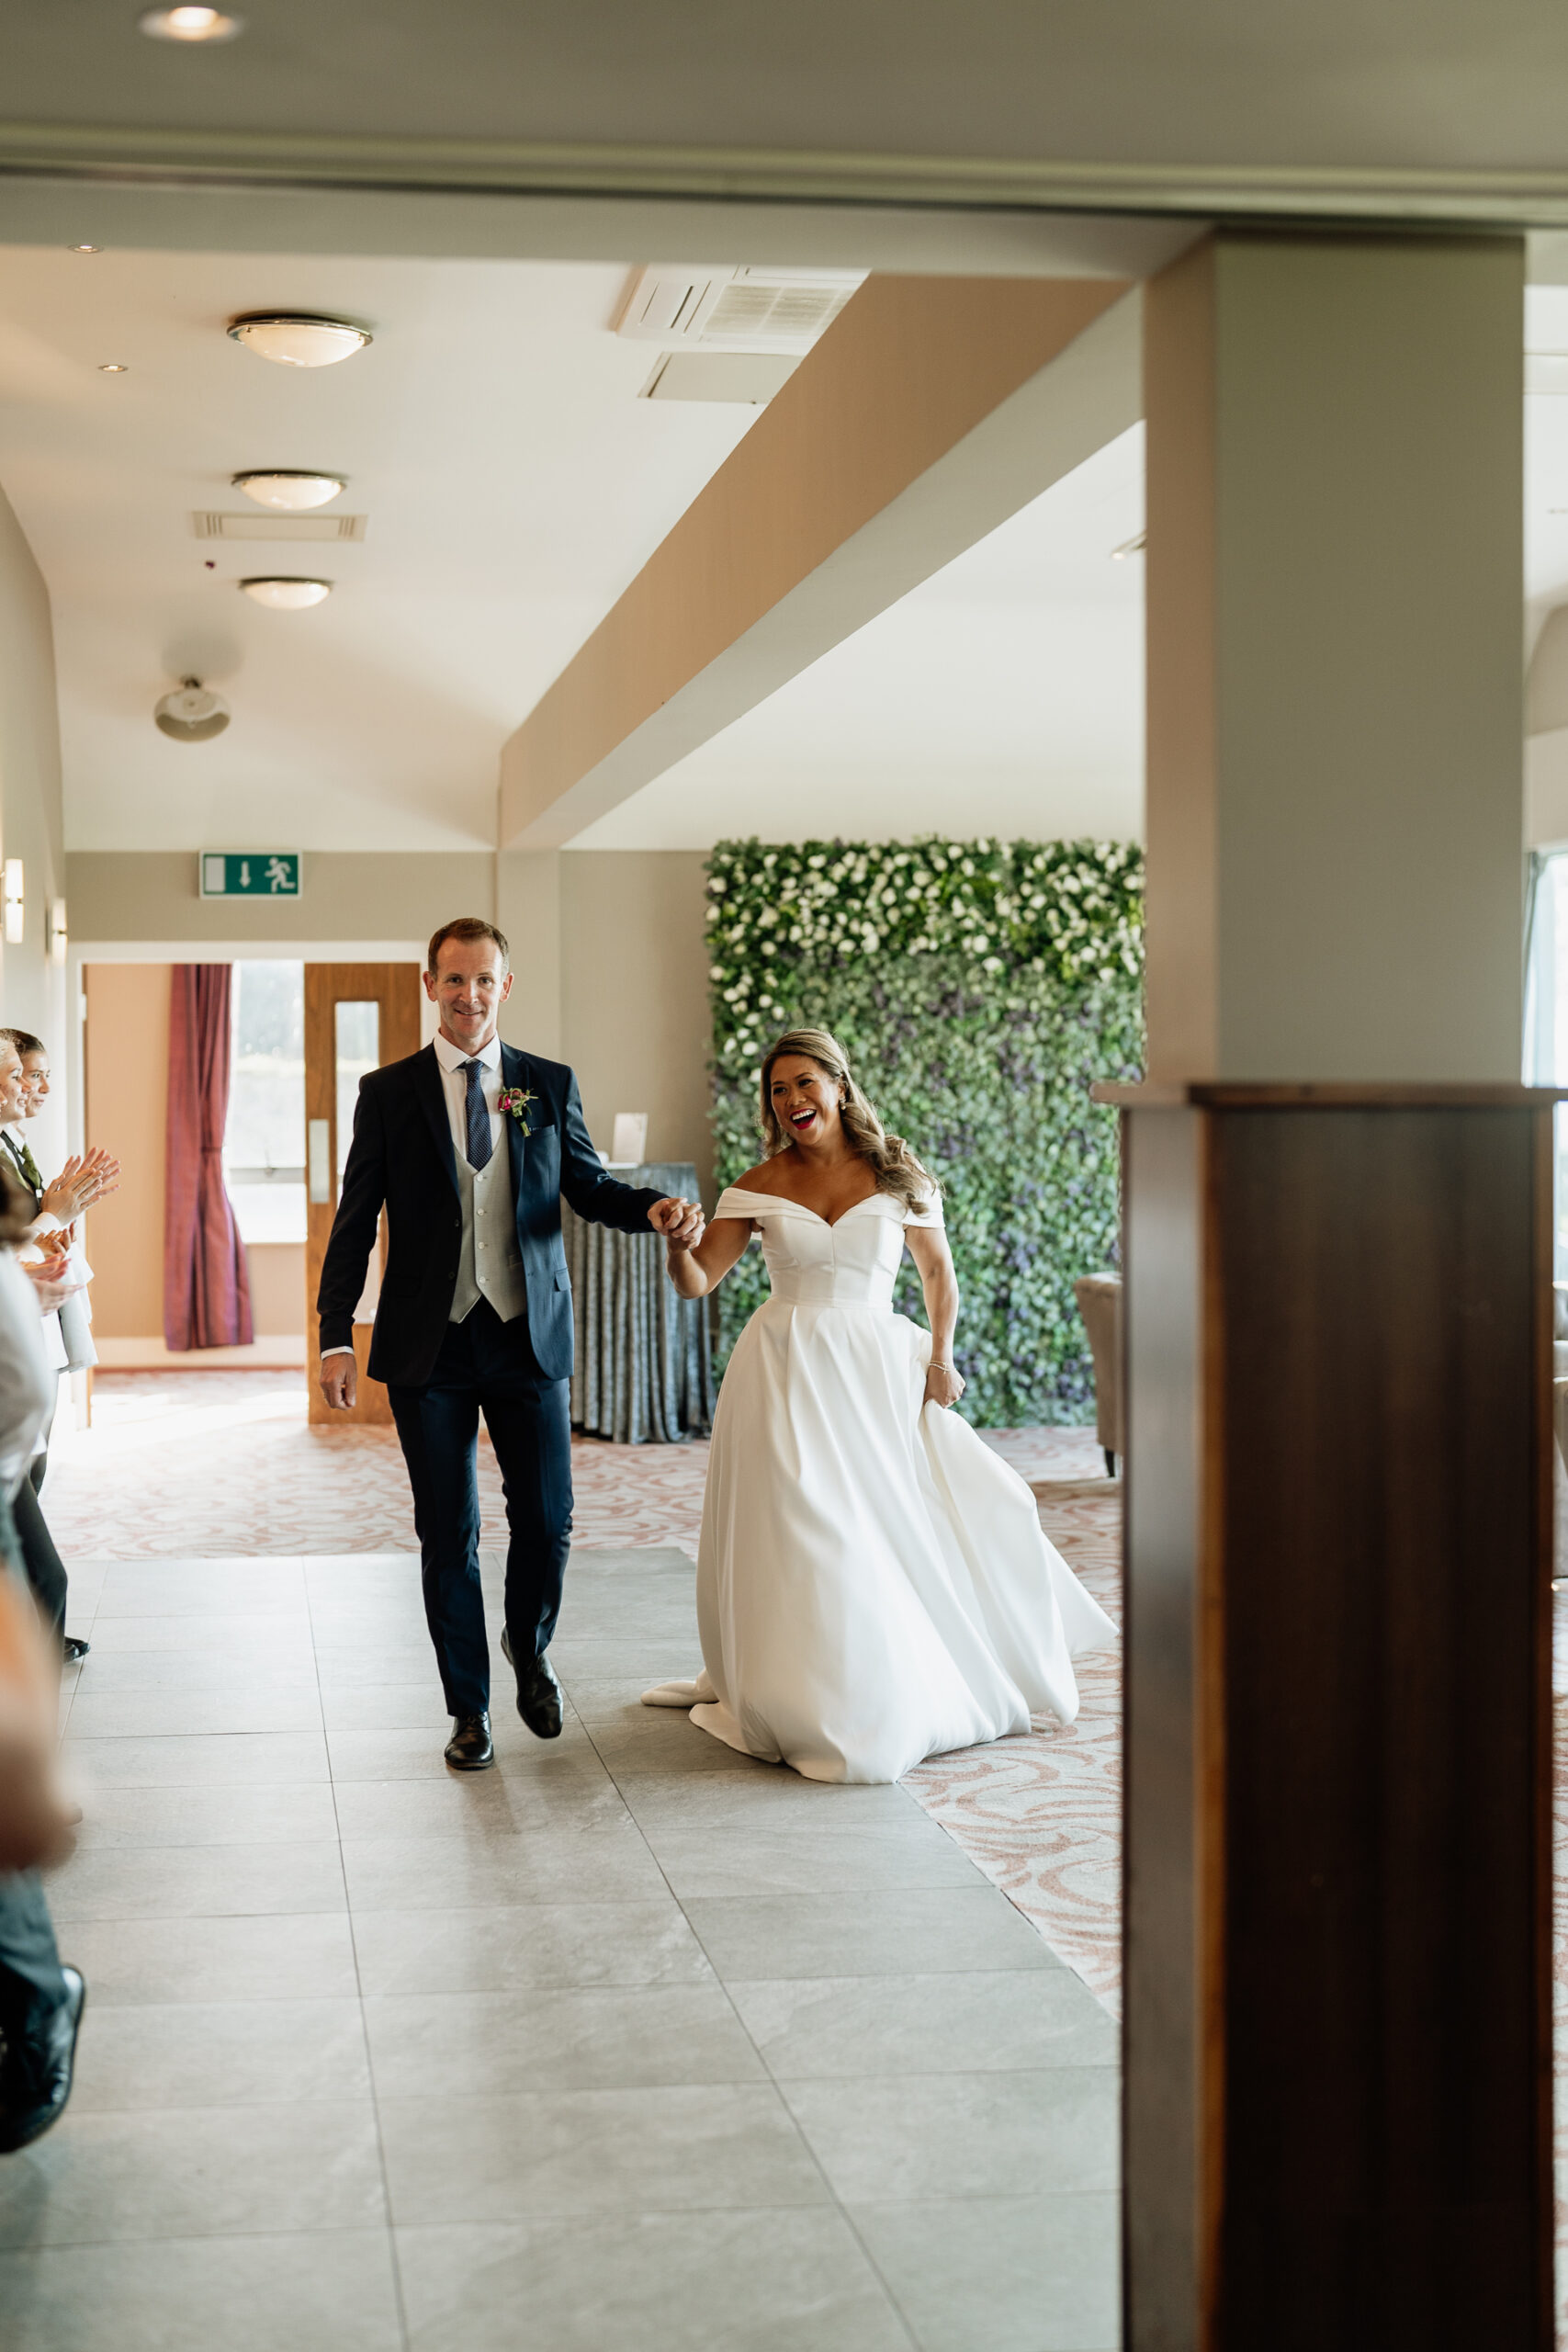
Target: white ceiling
x: 513, y: 482
x: 1005, y: 696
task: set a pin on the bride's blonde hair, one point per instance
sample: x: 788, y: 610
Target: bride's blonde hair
x: 893, y: 1163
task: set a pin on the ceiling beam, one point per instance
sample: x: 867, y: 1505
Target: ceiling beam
x: 931, y: 411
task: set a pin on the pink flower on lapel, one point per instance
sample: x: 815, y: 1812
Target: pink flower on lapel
x: 514, y: 1102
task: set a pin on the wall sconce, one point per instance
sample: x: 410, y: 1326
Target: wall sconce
x: 13, y: 901
x: 56, y: 939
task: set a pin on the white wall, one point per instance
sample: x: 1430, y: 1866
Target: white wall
x: 32, y: 992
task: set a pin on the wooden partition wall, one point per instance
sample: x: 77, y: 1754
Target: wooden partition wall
x: 1338, y: 1518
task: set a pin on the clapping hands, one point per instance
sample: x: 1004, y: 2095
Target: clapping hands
x: 86, y: 1177
x: 680, y: 1222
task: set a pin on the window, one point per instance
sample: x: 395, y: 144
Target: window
x: 264, y: 1144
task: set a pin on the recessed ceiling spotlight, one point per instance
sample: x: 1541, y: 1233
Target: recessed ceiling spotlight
x: 288, y: 595
x: 296, y: 339
x: 190, y: 24
x: 290, y: 487
x: 83, y: 249
x: 113, y: 367
x: 192, y: 714
x: 1127, y: 548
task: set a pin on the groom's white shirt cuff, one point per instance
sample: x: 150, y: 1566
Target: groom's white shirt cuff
x: 335, y: 1352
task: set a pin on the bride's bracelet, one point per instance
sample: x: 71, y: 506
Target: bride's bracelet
x: 935, y: 1366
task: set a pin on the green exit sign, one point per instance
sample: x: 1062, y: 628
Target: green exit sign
x: 255, y: 874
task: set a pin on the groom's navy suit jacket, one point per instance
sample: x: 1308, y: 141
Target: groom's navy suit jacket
x: 401, y: 1155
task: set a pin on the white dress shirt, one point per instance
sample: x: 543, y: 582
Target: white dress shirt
x: 453, y: 1062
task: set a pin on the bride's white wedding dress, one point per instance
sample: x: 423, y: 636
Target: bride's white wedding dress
x: 872, y: 1585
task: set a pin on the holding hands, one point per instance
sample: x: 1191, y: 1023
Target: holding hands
x: 680, y: 1222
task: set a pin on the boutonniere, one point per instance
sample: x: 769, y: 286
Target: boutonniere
x: 514, y: 1100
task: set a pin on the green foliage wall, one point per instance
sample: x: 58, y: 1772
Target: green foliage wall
x: 979, y: 989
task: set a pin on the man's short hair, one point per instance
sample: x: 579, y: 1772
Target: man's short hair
x: 466, y: 927
x: 24, y: 1041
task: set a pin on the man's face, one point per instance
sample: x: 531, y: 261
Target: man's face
x: 13, y: 1085
x: 35, y: 1080
x: 471, y: 984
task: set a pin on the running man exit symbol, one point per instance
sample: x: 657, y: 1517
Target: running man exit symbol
x: 254, y: 873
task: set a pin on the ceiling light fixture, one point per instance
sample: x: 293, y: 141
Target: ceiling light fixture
x: 284, y: 596
x: 296, y: 338
x: 190, y: 24
x: 113, y: 367
x: 83, y: 249
x: 192, y: 714
x: 1127, y: 548
x: 15, y: 913
x: 290, y: 488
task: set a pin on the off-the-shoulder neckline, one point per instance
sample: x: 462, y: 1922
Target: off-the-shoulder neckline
x: 782, y: 1200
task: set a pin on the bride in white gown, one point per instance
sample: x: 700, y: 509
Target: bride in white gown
x: 872, y: 1585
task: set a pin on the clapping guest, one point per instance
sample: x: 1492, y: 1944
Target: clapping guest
x: 41, y: 2002
x: 59, y: 1279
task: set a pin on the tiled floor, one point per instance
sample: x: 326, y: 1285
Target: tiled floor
x: 632, y: 2045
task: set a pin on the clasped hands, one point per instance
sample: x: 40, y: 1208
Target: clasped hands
x: 682, y: 1223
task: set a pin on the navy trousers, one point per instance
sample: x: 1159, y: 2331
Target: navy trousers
x: 31, y: 1985
x: 487, y: 1366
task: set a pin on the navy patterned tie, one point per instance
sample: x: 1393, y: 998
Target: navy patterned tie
x: 478, y: 1117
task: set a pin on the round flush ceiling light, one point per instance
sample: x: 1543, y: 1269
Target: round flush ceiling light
x: 288, y: 595
x: 192, y: 714
x: 83, y: 249
x: 294, y: 339
x: 189, y: 24
x: 289, y: 488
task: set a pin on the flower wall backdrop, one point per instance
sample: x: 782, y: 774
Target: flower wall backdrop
x: 979, y: 989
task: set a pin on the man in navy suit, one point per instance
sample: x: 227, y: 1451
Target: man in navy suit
x: 470, y: 1147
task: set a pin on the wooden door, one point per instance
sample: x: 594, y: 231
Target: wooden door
x: 357, y: 1016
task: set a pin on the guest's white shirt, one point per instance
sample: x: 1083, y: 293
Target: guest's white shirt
x: 27, y: 1384
x: 453, y: 1063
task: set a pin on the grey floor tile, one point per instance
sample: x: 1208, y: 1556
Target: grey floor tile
x: 607, y: 1699
x: 735, y: 1858
x: 199, y: 1760
x: 877, y: 1933
x: 460, y: 2045
x: 989, y: 2019
x: 962, y: 2135
x: 354, y: 1666
x: 277, y: 1956
x: 199, y: 1882
x: 220, y: 2053
x: 719, y: 2145
x: 607, y: 1863
x: 620, y: 1659
x: 195, y: 2172
x: 327, y: 2291
x: 664, y: 1741
x: 1012, y: 2274
x: 415, y: 1754
x: 778, y: 2282
x: 238, y: 1632
x: 393, y: 1707
x: 503, y: 1950
x: 153, y: 1715
x: 469, y: 1806
x: 766, y: 1796
x: 113, y: 1671
x: 274, y: 1814
x: 202, y: 1588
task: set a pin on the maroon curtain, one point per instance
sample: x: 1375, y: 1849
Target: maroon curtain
x: 207, y: 1286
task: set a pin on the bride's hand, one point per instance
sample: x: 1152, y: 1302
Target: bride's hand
x: 943, y: 1385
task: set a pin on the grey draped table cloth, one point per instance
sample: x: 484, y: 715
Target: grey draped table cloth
x: 643, y: 1357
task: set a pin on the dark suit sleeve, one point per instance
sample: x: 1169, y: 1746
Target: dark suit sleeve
x: 354, y: 1227
x: 592, y: 1191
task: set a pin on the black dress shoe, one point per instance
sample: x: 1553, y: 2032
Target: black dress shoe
x: 35, y: 2080
x: 76, y: 1648
x: 538, y: 1694
x: 469, y: 1749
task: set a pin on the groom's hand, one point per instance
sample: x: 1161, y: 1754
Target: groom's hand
x: 340, y: 1382
x: 680, y: 1223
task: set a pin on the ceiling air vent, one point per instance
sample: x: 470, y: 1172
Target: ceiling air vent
x: 734, y: 309
x: 278, y: 526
